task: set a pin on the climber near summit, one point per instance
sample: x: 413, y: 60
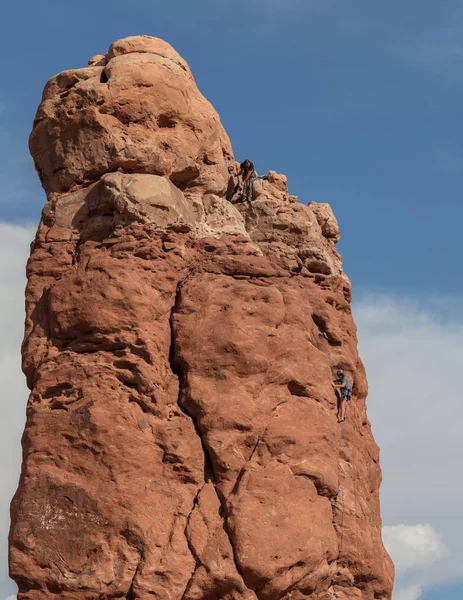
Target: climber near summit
x: 343, y: 385
x: 248, y: 175
x: 243, y: 188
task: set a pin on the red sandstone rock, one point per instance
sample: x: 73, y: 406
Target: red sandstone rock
x: 140, y: 111
x: 181, y: 439
x: 326, y: 220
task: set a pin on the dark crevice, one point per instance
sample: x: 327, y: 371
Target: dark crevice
x: 360, y: 580
x: 295, y: 388
x: 134, y: 542
x: 335, y: 509
x: 166, y: 121
x: 324, y: 329
x: 128, y: 384
x: 191, y: 548
x: 131, y: 593
x: 55, y: 391
x: 179, y: 370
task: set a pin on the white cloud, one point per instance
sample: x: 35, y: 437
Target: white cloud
x: 413, y: 355
x: 14, y: 249
x: 12, y: 597
x: 411, y: 592
x: 413, y: 546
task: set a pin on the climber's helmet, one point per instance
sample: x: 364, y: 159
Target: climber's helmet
x: 340, y: 372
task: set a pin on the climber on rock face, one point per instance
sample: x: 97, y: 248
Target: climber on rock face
x: 246, y: 177
x: 240, y: 185
x: 343, y: 385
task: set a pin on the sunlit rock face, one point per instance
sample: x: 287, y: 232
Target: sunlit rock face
x: 182, y: 441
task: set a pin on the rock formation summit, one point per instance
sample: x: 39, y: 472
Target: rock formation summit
x: 182, y: 440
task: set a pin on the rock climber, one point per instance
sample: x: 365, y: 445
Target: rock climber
x: 247, y: 175
x: 343, y: 385
x: 240, y: 185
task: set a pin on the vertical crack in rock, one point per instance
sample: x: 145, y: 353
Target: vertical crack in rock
x: 260, y: 439
x: 131, y: 593
x: 334, y: 509
x: 243, y: 469
x: 191, y: 548
x: 209, y: 475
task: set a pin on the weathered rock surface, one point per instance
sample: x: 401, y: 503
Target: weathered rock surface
x: 137, y: 109
x: 181, y: 439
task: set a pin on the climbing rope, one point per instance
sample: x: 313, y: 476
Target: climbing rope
x: 340, y: 500
x: 356, y: 519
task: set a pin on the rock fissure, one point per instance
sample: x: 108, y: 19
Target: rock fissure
x: 131, y: 595
x: 260, y: 439
x: 243, y: 471
x: 209, y: 475
x: 191, y: 547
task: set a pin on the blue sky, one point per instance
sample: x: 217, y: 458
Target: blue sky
x: 359, y: 103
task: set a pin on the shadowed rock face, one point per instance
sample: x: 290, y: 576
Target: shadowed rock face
x: 181, y: 439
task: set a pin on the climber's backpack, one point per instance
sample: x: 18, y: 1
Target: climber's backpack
x: 346, y: 393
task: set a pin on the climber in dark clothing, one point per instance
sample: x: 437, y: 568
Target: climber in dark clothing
x: 343, y: 385
x: 246, y: 176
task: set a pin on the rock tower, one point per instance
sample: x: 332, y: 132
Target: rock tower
x: 181, y: 439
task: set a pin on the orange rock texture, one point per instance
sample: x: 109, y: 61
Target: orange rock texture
x: 182, y: 441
